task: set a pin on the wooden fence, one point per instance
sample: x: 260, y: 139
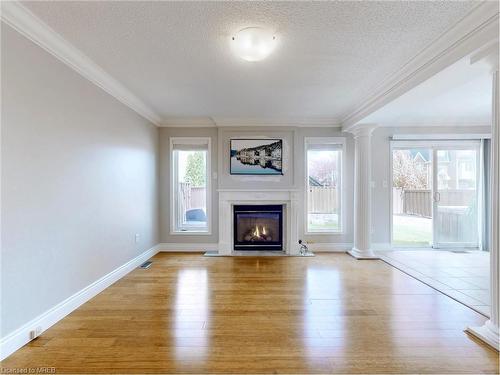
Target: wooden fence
x: 419, y: 202
x: 192, y: 197
x: 322, y: 200
x: 456, y: 218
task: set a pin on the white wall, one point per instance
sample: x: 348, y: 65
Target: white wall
x: 79, y: 179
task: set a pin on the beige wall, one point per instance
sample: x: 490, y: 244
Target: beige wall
x: 79, y: 180
x: 293, y: 178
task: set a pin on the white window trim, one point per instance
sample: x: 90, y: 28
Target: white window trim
x: 193, y: 141
x: 448, y: 143
x: 333, y: 141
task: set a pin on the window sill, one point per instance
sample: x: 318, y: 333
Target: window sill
x: 323, y: 233
x: 190, y: 233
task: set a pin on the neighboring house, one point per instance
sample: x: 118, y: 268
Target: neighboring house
x: 454, y: 171
x: 423, y: 159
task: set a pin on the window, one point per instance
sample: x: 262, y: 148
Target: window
x: 324, y: 184
x: 190, y: 190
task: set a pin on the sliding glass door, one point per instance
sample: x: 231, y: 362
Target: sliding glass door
x: 436, y: 194
x: 456, y: 196
x: 412, y: 196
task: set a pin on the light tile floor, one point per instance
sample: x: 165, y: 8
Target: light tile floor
x: 464, y: 276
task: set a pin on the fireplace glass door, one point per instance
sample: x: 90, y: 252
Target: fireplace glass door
x: 258, y: 227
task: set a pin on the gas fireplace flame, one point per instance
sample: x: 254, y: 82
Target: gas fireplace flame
x: 257, y: 232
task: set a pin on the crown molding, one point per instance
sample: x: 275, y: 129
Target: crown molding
x: 362, y: 130
x: 479, y: 27
x: 302, y: 122
x: 29, y: 25
x: 439, y: 136
x: 433, y: 124
x: 476, y: 29
x: 230, y: 122
x: 487, y: 56
x: 188, y: 122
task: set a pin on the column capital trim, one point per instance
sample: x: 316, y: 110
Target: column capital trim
x: 362, y: 130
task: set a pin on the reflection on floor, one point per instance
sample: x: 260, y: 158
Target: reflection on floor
x: 325, y: 314
x: 463, y: 276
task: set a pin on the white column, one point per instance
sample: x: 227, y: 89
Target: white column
x: 225, y: 225
x: 362, y: 192
x: 489, y: 332
x: 293, y: 246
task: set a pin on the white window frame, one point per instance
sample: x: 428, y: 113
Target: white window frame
x: 325, y: 141
x: 173, y: 184
x: 442, y: 144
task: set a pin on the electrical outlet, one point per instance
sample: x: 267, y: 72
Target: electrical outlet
x: 137, y: 237
x: 35, y: 332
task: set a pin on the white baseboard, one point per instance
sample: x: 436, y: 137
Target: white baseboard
x: 21, y: 336
x: 344, y: 247
x: 187, y: 247
x: 203, y: 247
x: 334, y: 247
x: 487, y: 333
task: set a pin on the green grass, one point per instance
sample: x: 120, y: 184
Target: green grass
x: 323, y: 222
x: 411, y: 230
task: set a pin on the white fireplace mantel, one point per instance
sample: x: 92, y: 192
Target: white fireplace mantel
x: 290, y: 199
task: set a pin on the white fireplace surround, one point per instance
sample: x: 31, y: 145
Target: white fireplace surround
x: 290, y: 199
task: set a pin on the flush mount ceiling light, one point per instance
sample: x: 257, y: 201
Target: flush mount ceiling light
x: 253, y: 43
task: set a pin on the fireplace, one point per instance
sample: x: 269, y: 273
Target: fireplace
x: 258, y: 227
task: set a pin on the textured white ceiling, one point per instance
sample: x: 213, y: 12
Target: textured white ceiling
x: 176, y: 55
x: 458, y: 95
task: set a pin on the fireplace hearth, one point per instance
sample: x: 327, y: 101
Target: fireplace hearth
x: 258, y: 227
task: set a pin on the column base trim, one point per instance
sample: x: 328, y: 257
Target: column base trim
x: 362, y: 254
x: 487, y: 333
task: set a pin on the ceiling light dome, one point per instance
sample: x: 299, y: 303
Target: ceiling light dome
x: 253, y: 43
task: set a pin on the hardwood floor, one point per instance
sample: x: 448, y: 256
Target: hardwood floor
x: 327, y: 314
